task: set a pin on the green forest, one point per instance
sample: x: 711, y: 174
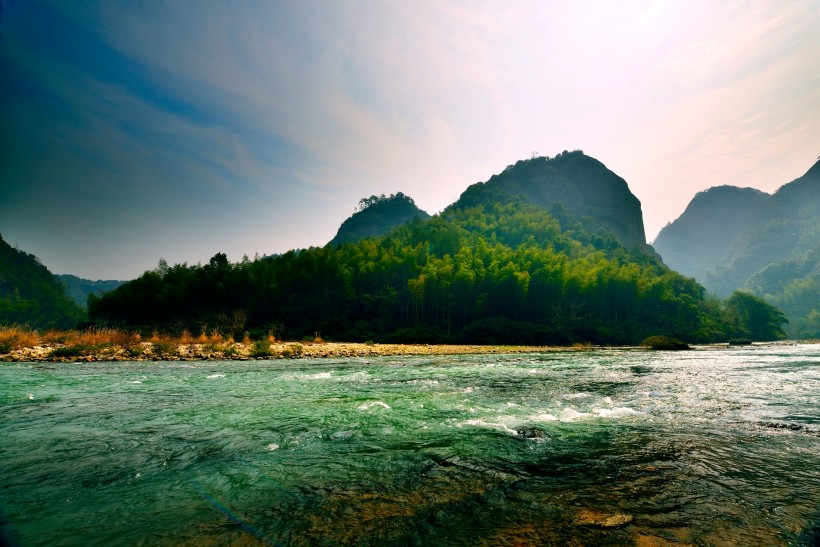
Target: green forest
x: 492, y: 272
x: 30, y: 295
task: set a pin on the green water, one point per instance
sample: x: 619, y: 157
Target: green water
x: 710, y: 447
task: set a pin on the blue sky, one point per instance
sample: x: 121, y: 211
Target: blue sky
x: 177, y: 129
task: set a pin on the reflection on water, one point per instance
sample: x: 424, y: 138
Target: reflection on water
x: 717, y: 447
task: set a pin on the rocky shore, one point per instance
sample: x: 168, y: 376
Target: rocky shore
x: 162, y: 351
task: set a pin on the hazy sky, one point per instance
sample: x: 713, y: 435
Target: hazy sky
x: 131, y: 131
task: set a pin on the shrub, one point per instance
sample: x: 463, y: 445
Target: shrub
x: 740, y: 342
x: 163, y: 347
x: 135, y: 351
x: 124, y: 339
x: 664, y: 343
x: 260, y: 348
x: 75, y: 350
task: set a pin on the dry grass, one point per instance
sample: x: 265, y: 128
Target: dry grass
x: 12, y: 338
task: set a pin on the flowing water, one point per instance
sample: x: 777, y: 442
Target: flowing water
x: 603, y: 447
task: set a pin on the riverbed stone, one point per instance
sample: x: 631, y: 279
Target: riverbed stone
x: 601, y: 519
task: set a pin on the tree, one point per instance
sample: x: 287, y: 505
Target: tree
x: 753, y: 318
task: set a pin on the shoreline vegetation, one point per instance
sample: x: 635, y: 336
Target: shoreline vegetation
x: 22, y: 345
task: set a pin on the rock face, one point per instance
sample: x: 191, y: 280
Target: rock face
x: 737, y: 238
x: 582, y: 184
x: 377, y: 215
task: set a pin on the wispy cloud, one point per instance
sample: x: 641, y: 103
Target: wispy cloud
x: 256, y: 126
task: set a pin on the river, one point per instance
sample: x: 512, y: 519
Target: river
x: 717, y: 446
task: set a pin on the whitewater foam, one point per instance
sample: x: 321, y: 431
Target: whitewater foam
x: 368, y: 406
x: 617, y: 412
x: 570, y: 415
x: 488, y: 425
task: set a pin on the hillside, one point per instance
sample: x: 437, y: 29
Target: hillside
x: 31, y: 295
x: 376, y: 216
x: 581, y: 184
x: 78, y: 288
x: 706, y: 231
x: 772, y: 252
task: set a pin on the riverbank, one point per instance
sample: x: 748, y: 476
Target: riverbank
x: 160, y: 351
x: 21, y: 345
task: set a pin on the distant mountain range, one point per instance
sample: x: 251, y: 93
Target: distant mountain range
x: 731, y: 238
x: 78, y: 288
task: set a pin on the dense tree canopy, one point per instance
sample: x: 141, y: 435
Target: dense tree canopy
x: 491, y: 272
x: 752, y: 317
x: 31, y: 295
x: 376, y: 216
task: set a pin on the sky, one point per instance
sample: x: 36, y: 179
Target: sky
x: 134, y: 131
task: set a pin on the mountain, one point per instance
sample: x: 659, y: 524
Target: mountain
x: 581, y: 184
x: 31, y: 295
x: 768, y: 245
x: 78, y: 288
x: 376, y: 216
x: 704, y: 234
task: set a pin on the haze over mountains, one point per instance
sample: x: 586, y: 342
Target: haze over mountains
x: 78, y: 288
x: 732, y: 238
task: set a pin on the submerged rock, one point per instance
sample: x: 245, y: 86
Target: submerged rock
x: 656, y: 541
x: 531, y: 433
x: 601, y: 519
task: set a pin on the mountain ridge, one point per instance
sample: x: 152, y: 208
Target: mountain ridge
x: 376, y: 216
x: 581, y: 183
x: 773, y: 254
x: 78, y: 288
